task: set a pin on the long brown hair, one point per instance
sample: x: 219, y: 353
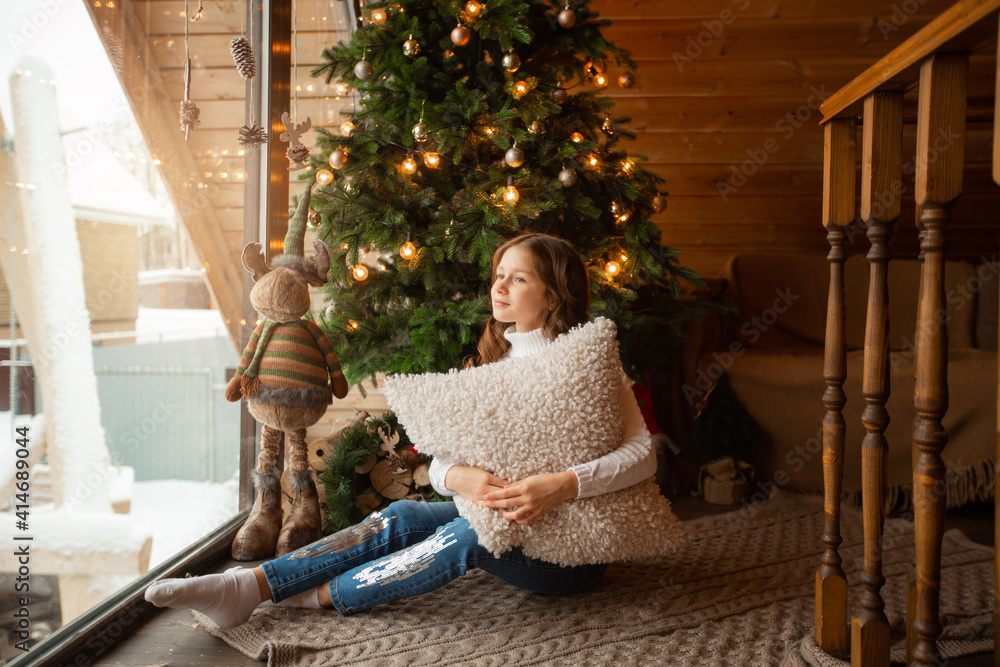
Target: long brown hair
x: 566, y: 283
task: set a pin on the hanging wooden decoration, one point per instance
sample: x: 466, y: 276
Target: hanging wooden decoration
x: 189, y: 110
x: 298, y: 154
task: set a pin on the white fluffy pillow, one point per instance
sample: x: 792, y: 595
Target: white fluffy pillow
x: 543, y: 413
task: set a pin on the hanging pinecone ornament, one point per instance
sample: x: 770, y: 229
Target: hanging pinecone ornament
x: 189, y: 117
x: 243, y: 57
x: 252, y: 136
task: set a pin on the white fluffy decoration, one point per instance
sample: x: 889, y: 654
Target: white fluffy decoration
x: 542, y: 413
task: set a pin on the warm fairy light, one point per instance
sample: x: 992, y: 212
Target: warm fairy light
x: 240, y: 175
x: 592, y: 160
x: 379, y: 16
x: 624, y: 258
x: 341, y: 88
x: 613, y: 268
x: 623, y: 218
x: 156, y: 161
x: 489, y: 130
x: 360, y: 272
x: 576, y: 137
x: 626, y: 165
x: 408, y: 250
x: 520, y: 88
x: 352, y: 325
x: 243, y: 323
x: 473, y: 7
x: 409, y: 165
x: 344, y: 246
x: 510, y: 193
x: 324, y: 176
x: 347, y: 128
x: 600, y: 80
x: 432, y: 159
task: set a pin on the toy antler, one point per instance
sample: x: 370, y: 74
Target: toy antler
x: 253, y: 261
x: 322, y: 261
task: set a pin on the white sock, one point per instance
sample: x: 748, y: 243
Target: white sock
x: 228, y: 598
x: 306, y: 600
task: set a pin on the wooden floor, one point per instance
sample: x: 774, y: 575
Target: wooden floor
x: 171, y: 638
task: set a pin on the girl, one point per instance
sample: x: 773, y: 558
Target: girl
x: 540, y: 290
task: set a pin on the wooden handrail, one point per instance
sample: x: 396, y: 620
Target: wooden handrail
x: 957, y: 29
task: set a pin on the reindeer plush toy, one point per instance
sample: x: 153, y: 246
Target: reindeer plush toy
x: 289, y: 374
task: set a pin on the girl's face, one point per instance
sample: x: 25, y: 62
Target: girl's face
x: 518, y: 294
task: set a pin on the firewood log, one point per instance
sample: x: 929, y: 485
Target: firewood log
x: 393, y: 483
x: 369, y: 500
x: 422, y: 475
x: 366, y: 465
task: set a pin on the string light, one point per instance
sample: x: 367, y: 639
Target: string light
x: 510, y: 193
x: 576, y: 137
x: 409, y: 165
x: 360, y: 272
x: 624, y: 257
x: 600, y: 80
x: 379, y: 16
x: 473, y: 7
x: 520, y: 89
x: 347, y: 128
x: 324, y: 176
x: 432, y: 159
x: 408, y: 250
x: 626, y: 165
x: 352, y: 325
x: 613, y: 268
x: 341, y: 88
x: 593, y: 160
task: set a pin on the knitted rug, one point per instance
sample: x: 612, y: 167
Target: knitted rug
x: 739, y: 591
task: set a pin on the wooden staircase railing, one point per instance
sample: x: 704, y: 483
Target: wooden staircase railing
x: 935, y: 60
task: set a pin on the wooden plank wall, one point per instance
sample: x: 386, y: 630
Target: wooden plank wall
x: 726, y: 104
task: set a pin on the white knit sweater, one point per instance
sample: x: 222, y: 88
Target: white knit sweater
x: 633, y: 461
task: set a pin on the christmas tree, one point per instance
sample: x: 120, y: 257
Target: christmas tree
x: 477, y: 122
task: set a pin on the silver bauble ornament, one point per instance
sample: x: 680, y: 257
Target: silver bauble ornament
x: 510, y: 61
x: 536, y: 127
x: 460, y: 36
x: 411, y: 47
x: 559, y: 95
x: 338, y: 159
x: 420, y: 131
x: 567, y: 18
x: 659, y: 203
x: 514, y: 156
x: 626, y: 80
x: 567, y: 177
x: 363, y: 69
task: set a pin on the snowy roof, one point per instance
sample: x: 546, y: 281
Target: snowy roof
x: 102, y: 189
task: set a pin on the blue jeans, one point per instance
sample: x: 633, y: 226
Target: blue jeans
x: 408, y: 549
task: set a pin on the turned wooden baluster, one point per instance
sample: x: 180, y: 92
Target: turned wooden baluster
x: 881, y: 173
x: 940, y: 154
x: 839, y: 160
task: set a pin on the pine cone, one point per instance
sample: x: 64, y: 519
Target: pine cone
x: 252, y: 136
x: 189, y: 116
x: 243, y: 56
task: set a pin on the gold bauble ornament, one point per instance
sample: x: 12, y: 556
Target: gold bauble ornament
x: 460, y: 35
x: 567, y: 177
x: 510, y: 61
x: 567, y: 18
x: 363, y: 69
x: 514, y: 156
x: 338, y: 158
x: 559, y: 95
x: 411, y: 47
x: 420, y: 131
x: 659, y: 203
x: 626, y: 80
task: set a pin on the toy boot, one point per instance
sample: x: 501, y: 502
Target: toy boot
x: 257, y: 537
x: 302, y: 525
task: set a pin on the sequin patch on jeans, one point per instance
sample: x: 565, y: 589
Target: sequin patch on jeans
x: 406, y: 563
x: 347, y: 538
